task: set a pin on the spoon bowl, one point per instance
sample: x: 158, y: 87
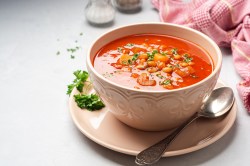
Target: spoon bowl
x: 217, y: 104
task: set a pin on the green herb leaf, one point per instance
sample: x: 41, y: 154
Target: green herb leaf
x: 130, y: 62
x: 151, y: 55
x: 187, y: 59
x: 166, y: 82
x: 135, y: 57
x: 130, y: 44
x: 177, y: 66
x: 72, y: 50
x: 58, y: 53
x: 170, y: 66
x: 81, y: 77
x: 119, y: 49
x: 90, y: 102
x: 70, y: 88
x: 160, y: 76
x: 164, y: 53
x: 155, y: 51
x: 174, y: 51
x: 107, y: 74
x: 125, y: 63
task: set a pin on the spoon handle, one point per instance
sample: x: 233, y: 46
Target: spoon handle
x: 154, y: 152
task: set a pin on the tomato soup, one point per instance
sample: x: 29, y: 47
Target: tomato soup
x: 153, y: 62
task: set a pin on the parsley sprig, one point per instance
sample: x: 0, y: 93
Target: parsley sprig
x: 92, y: 101
x: 81, y: 77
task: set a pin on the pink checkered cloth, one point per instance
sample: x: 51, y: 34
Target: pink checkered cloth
x: 227, y: 22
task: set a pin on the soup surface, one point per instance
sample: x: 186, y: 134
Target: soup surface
x: 153, y: 62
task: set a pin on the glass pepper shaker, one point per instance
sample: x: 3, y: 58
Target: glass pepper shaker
x: 100, y: 12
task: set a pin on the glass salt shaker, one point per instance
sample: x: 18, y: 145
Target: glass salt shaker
x: 100, y: 12
x: 128, y: 5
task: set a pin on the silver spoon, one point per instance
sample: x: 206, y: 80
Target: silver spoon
x: 217, y: 104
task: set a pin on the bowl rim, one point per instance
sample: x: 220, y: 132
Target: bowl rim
x: 217, y: 68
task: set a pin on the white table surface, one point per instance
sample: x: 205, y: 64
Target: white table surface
x: 36, y: 128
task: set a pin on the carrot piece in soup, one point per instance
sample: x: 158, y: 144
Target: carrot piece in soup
x: 160, y: 57
x: 125, y: 59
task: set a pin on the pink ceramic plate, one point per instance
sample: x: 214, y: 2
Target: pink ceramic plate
x: 103, y: 128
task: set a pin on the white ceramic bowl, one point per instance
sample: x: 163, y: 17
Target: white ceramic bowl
x: 154, y: 110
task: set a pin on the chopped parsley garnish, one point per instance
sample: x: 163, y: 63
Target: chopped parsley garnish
x: 166, y: 82
x: 151, y: 55
x: 90, y: 102
x: 163, y: 53
x: 187, y: 59
x: 170, y: 66
x: 130, y: 44
x: 155, y: 51
x: 72, y: 50
x: 81, y: 77
x: 160, y: 76
x: 119, y: 49
x: 107, y: 74
x: 130, y: 62
x: 177, y: 66
x: 125, y: 63
x: 135, y: 57
x: 174, y: 51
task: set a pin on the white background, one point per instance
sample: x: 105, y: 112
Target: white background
x: 35, y: 125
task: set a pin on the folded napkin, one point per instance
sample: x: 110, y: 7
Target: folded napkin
x: 227, y: 22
